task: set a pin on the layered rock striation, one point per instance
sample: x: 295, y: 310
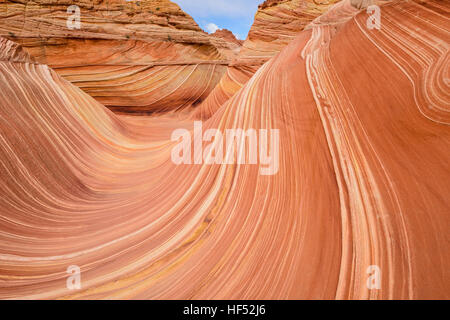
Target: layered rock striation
x: 277, y: 23
x: 139, y: 56
x: 362, y: 183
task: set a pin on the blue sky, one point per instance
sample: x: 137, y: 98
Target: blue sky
x: 234, y: 15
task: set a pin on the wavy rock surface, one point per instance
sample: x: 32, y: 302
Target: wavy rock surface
x: 140, y: 56
x: 227, y: 35
x: 12, y: 52
x: 363, y: 179
x: 277, y: 22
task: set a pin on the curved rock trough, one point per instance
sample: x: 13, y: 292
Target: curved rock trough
x: 364, y: 145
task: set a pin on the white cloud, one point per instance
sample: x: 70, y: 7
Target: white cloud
x: 211, y: 27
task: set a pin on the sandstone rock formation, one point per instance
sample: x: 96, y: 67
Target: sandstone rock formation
x: 277, y: 22
x: 139, y: 56
x: 12, y: 52
x: 227, y: 35
x: 363, y: 176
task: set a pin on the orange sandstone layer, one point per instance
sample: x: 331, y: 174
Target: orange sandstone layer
x: 277, y: 22
x: 363, y: 177
x: 139, y: 56
x: 227, y: 35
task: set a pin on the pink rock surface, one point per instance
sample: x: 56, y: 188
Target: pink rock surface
x: 363, y: 178
x: 277, y: 23
x: 134, y: 57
